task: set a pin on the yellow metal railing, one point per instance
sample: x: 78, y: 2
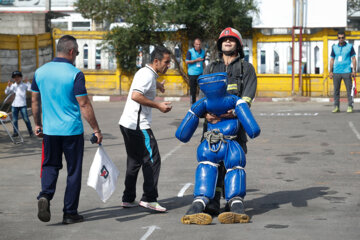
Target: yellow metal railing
x: 117, y: 82
x: 280, y: 85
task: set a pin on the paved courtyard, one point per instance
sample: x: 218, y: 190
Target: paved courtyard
x: 303, y: 175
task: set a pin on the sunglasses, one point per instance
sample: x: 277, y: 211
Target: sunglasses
x: 77, y: 52
x: 341, y: 37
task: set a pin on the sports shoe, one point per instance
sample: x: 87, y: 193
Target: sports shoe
x: 129, y: 204
x: 44, y: 209
x: 336, y: 110
x: 349, y: 109
x: 15, y: 135
x: 237, y: 213
x: 153, y: 206
x: 213, y: 207
x: 195, y: 215
x: 72, y: 218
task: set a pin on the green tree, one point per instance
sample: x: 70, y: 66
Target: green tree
x: 141, y: 16
x: 353, y: 6
x: 149, y: 19
x: 206, y: 18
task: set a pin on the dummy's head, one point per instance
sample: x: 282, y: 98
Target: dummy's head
x: 213, y: 85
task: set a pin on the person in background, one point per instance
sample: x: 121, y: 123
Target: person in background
x: 135, y: 125
x: 19, y: 104
x: 195, y: 60
x: 342, y: 57
x: 59, y: 93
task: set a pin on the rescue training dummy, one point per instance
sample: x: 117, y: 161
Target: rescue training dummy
x: 219, y: 145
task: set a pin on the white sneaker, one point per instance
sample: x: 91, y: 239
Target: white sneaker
x: 153, y: 206
x: 129, y: 204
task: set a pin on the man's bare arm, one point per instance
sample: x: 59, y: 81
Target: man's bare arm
x: 87, y: 112
x: 354, y: 66
x: 141, y: 99
x: 331, y: 68
x: 36, y: 110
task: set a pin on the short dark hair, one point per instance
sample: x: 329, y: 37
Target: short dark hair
x: 66, y: 43
x: 159, y: 53
x: 341, y: 32
x: 196, y: 39
x: 16, y: 73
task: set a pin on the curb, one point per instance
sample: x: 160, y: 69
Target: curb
x: 258, y: 99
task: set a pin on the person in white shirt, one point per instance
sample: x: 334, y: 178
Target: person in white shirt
x: 19, y: 104
x: 135, y: 125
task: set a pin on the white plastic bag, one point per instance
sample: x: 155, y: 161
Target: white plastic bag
x: 103, y: 175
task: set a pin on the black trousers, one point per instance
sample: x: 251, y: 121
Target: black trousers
x: 73, y: 149
x: 142, y: 151
x: 193, y: 87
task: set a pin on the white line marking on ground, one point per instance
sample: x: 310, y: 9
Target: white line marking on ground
x: 281, y: 99
x: 182, y: 191
x: 321, y: 100
x: 149, y: 231
x: 357, y: 134
x: 101, y: 98
x: 172, y: 99
x: 171, y: 152
x: 284, y: 114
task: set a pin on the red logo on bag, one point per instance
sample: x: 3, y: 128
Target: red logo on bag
x: 104, y: 172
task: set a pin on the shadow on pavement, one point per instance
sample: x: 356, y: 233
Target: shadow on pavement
x: 273, y: 201
x: 129, y: 214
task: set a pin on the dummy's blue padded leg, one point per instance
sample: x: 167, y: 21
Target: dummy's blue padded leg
x: 205, y: 179
x: 235, y: 183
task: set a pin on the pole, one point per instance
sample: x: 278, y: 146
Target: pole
x: 300, y: 46
x: 293, y: 62
x: 19, y: 51
x: 293, y: 50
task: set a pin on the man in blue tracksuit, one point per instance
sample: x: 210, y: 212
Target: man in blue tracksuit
x: 342, y: 57
x: 59, y: 93
x: 195, y: 61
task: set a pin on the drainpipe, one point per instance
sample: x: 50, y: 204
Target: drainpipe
x: 301, y: 10
x: 19, y: 51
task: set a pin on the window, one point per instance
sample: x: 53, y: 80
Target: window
x: 98, y: 58
x: 86, y: 53
x: 262, y: 61
x: 81, y: 26
x: 289, y: 60
x: 317, y: 60
x: 276, y: 63
x: 60, y: 25
x: 246, y: 55
x: 177, y: 53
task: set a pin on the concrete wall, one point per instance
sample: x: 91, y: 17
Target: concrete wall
x: 34, y: 50
x: 9, y: 62
x: 25, y: 23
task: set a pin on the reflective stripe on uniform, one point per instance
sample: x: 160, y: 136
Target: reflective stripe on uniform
x: 247, y: 99
x: 232, y: 87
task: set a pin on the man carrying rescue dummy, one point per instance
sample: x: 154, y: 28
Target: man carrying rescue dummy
x: 219, y: 145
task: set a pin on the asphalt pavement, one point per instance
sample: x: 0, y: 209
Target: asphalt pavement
x: 303, y: 175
